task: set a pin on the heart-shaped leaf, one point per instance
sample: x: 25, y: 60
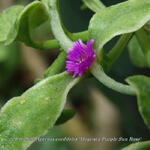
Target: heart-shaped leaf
x: 142, y: 87
x: 118, y: 19
x: 34, y: 112
x: 7, y: 20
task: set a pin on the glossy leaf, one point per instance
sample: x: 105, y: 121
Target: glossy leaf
x: 122, y: 18
x: 136, y: 55
x: 142, y: 87
x: 94, y: 5
x: 7, y: 20
x: 31, y: 17
x: 66, y: 115
x: 34, y: 112
x: 138, y: 146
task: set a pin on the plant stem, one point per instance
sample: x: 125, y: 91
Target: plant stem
x: 84, y: 36
x: 117, y: 50
x: 51, y: 44
x: 57, y: 65
x: 98, y: 72
x: 57, y: 27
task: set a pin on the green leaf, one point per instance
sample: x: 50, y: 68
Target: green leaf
x: 122, y: 18
x: 31, y: 17
x: 136, y: 55
x: 138, y: 146
x: 94, y: 5
x: 34, y: 112
x: 142, y: 87
x: 66, y: 115
x: 7, y: 20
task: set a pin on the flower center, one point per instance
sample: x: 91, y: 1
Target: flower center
x: 82, y: 58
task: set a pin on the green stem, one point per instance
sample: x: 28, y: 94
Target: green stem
x: 144, y: 41
x: 117, y: 50
x: 57, y: 65
x: 98, y: 72
x: 51, y: 44
x: 84, y: 36
x: 57, y: 27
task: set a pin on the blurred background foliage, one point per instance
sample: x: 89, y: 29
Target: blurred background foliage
x: 101, y: 112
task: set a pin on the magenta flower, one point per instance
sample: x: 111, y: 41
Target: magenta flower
x: 80, y: 58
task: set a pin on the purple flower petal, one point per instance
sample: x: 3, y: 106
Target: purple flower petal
x: 80, y: 58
